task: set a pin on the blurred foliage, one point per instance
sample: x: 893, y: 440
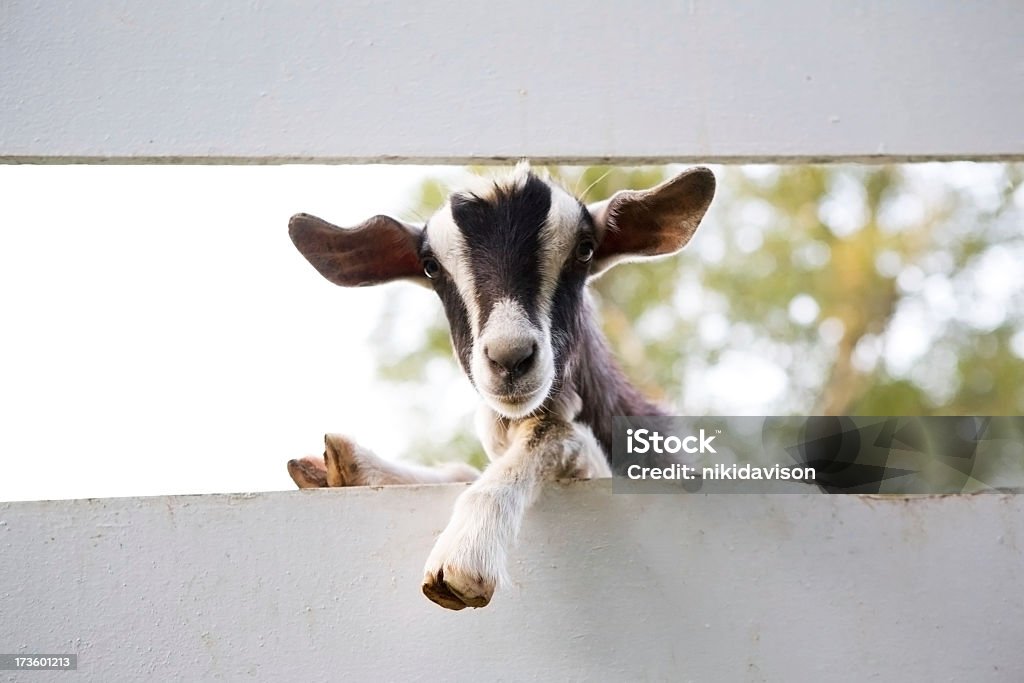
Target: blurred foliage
x: 871, y: 290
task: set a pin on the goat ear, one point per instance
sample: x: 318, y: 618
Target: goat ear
x: 377, y: 250
x: 643, y: 223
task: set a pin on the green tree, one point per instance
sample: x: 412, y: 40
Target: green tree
x: 847, y: 289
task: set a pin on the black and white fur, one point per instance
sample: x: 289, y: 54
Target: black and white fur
x: 510, y: 260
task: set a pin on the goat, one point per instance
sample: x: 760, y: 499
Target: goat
x: 510, y: 260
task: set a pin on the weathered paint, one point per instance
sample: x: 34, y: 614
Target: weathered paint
x: 325, y: 585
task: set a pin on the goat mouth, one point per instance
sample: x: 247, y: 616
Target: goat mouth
x: 515, y: 405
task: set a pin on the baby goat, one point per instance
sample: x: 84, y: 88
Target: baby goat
x: 510, y: 261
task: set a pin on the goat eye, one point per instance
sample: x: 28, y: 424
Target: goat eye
x: 585, y: 251
x: 431, y: 268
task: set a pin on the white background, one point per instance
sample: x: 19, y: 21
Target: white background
x: 161, y: 334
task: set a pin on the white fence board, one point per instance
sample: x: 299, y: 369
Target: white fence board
x: 324, y: 585
x: 667, y: 80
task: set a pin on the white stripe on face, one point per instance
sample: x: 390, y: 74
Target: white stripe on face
x: 557, y: 241
x: 449, y: 248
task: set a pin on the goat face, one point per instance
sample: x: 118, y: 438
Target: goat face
x: 509, y: 260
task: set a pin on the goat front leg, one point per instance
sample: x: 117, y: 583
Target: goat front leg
x: 469, y: 559
x: 346, y: 463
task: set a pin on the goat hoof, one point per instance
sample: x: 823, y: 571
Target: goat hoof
x: 340, y: 459
x: 458, y: 590
x: 308, y: 473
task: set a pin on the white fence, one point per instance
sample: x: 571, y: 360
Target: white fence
x: 324, y: 585
x: 669, y: 80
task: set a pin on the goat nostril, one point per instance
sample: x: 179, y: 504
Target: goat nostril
x: 527, y: 361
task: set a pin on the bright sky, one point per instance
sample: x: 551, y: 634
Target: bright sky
x: 160, y: 333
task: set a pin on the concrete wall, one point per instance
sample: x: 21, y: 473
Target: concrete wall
x: 324, y: 585
x: 668, y: 80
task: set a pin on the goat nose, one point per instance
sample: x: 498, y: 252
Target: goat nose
x: 511, y: 358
